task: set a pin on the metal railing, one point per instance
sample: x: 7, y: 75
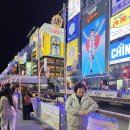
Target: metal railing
x: 62, y: 116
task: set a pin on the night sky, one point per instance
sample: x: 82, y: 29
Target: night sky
x: 17, y: 18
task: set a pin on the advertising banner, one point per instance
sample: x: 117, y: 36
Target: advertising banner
x: 73, y: 8
x: 119, y: 84
x: 72, y: 55
x: 34, y: 39
x: 105, y: 94
x: 39, y: 44
x: 53, y: 41
x: 120, y: 24
x: 28, y: 68
x: 120, y: 51
x: 22, y: 58
x: 119, y: 5
x: 94, y: 40
x: 73, y: 29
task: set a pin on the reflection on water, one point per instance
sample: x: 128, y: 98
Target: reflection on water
x: 119, y: 109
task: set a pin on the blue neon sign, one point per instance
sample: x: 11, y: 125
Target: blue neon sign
x: 120, y: 51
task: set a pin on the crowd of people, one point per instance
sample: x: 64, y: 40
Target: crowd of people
x: 9, y: 105
x: 78, y: 106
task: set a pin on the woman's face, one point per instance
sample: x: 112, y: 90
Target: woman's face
x: 80, y: 92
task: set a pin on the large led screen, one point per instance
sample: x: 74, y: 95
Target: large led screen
x: 120, y: 51
x: 94, y: 40
x: 120, y: 24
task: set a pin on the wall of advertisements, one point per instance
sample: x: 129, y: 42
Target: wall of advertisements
x: 120, y: 51
x: 73, y: 8
x: 94, y: 40
x: 72, y: 55
x: 120, y: 24
x: 53, y: 41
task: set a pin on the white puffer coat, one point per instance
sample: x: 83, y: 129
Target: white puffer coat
x: 73, y: 108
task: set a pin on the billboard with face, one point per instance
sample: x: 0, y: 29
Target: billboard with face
x: 94, y: 40
x: 53, y: 41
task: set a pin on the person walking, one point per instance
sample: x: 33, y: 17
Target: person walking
x: 27, y: 105
x: 8, y: 109
x: 78, y: 106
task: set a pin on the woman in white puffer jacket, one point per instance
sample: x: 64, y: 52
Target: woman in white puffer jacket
x: 78, y: 106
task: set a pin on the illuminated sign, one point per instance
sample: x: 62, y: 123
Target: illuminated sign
x: 57, y: 21
x: 73, y: 29
x: 73, y: 8
x: 72, y: 54
x: 120, y: 51
x: 119, y: 5
x: 34, y: 39
x: 94, y: 40
x: 22, y: 58
x: 53, y: 41
x: 29, y: 68
x: 119, y: 84
x: 39, y: 45
x: 120, y: 24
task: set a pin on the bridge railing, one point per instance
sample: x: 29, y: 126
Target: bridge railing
x: 52, y: 112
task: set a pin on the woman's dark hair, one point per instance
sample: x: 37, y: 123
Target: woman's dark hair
x: 8, y: 93
x: 79, y: 85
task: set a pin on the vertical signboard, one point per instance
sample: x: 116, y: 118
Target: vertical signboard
x: 73, y: 29
x: 120, y: 24
x: 94, y: 39
x: 34, y: 39
x: 22, y: 58
x: 29, y: 68
x: 72, y: 55
x: 73, y: 8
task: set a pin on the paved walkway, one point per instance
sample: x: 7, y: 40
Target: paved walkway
x: 29, y: 124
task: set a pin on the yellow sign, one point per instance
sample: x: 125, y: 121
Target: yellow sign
x: 121, y: 19
x: 120, y: 24
x: 72, y: 53
x: 53, y: 41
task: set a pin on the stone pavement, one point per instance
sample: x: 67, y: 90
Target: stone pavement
x: 29, y: 124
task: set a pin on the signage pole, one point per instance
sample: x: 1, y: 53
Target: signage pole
x: 38, y: 56
x: 19, y: 72
x: 65, y: 58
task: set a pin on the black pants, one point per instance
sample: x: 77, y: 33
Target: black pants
x: 26, y: 111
